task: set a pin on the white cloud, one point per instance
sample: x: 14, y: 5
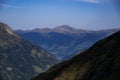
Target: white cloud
x: 90, y: 1
x: 95, y: 1
x: 9, y: 6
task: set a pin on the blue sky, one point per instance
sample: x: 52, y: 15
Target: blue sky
x: 83, y: 14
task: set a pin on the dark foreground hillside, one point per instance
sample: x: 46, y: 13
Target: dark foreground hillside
x: 20, y: 59
x: 100, y: 62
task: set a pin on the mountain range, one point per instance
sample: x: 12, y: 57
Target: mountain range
x: 64, y: 41
x: 99, y: 62
x: 19, y: 58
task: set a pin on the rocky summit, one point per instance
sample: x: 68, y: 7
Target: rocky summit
x: 99, y: 62
x: 20, y: 59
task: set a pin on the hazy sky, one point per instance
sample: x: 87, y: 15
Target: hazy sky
x: 84, y: 14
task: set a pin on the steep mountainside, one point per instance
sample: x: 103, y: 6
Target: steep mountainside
x: 20, y: 59
x: 64, y: 41
x: 99, y: 62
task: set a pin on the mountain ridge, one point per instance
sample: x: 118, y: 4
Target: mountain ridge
x: 60, y: 29
x: 66, y: 28
x: 20, y: 59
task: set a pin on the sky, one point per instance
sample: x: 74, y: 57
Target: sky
x: 82, y: 14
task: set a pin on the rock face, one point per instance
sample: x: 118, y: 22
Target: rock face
x: 20, y: 59
x: 99, y: 62
x: 64, y: 41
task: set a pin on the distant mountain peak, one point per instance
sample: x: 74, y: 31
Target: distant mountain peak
x: 63, y: 27
x: 68, y: 29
